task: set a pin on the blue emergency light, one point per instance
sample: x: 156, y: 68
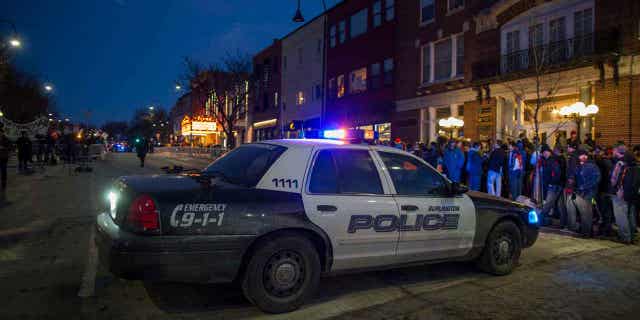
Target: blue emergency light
x: 533, y: 217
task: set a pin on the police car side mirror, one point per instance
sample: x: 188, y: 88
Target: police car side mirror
x: 457, y: 188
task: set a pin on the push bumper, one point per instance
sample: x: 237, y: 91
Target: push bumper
x: 202, y: 259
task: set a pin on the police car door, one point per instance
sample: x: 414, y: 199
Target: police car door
x: 344, y: 196
x: 433, y: 223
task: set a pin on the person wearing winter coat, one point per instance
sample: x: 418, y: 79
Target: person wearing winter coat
x: 586, y: 180
x: 516, y: 169
x: 496, y: 166
x: 453, y: 161
x: 622, y: 209
x: 474, y: 167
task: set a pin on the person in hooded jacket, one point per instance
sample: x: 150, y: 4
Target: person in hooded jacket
x: 474, y: 167
x: 586, y: 181
x: 453, y: 161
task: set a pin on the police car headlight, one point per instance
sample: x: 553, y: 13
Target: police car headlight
x: 113, y: 203
x: 533, y: 217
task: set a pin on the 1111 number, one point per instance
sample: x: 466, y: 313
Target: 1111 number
x: 285, y: 183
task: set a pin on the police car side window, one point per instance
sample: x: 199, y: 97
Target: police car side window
x: 346, y: 172
x: 324, y: 178
x: 412, y: 177
x: 356, y: 172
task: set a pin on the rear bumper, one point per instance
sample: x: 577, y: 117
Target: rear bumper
x: 202, y: 259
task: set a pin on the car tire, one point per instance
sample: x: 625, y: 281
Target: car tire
x: 502, y: 249
x: 282, y: 274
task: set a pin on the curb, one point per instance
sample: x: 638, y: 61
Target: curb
x: 9, y: 236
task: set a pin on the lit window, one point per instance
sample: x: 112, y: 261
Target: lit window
x: 340, y: 93
x: 389, y: 11
x: 426, y: 64
x: 358, y: 80
x: 460, y: 55
x: 377, y: 13
x: 427, y: 10
x: 332, y: 36
x: 443, y: 60
x: 342, y: 36
x: 300, y: 98
x: 388, y: 71
x: 455, y: 5
x: 358, y: 23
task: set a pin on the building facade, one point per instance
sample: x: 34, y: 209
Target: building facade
x: 265, y: 104
x: 360, y: 66
x: 527, y: 56
x: 301, y: 79
x: 504, y: 67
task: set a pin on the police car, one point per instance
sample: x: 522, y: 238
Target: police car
x: 277, y: 215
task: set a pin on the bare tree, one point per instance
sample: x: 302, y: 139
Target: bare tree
x: 227, y: 86
x: 539, y: 63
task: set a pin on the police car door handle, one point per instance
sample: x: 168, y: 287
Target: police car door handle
x: 324, y: 207
x: 408, y: 207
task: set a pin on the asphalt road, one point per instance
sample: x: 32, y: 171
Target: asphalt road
x: 50, y: 270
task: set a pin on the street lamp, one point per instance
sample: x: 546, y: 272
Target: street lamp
x: 577, y: 111
x: 151, y: 108
x: 48, y: 87
x: 15, y: 42
x: 451, y: 124
x: 298, y: 18
x: 178, y: 87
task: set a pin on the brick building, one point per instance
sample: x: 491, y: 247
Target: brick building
x: 360, y: 65
x: 264, y: 113
x: 577, y: 50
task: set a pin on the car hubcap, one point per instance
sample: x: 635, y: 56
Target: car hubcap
x: 284, y: 274
x: 503, y: 250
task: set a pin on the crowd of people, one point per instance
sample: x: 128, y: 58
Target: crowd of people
x: 580, y: 186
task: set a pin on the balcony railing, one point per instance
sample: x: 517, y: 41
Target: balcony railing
x: 552, y: 53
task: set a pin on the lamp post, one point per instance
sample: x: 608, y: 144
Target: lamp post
x: 577, y: 111
x: 451, y: 124
x: 14, y: 41
x: 299, y: 19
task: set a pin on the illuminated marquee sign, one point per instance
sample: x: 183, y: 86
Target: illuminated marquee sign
x: 200, y: 126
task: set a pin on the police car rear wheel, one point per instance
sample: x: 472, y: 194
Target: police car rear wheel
x: 282, y: 274
x: 502, y: 250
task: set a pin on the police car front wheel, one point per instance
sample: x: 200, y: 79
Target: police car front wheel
x: 282, y: 274
x: 502, y: 250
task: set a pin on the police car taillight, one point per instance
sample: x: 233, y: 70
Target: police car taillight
x: 143, y: 214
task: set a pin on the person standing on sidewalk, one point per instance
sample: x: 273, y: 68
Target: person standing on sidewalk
x: 587, y: 179
x: 5, y: 148
x: 142, y: 148
x: 496, y: 166
x: 453, y: 161
x: 622, y: 210
x: 24, y: 151
x: 515, y: 171
x: 603, y: 200
x: 551, y: 182
x: 474, y: 167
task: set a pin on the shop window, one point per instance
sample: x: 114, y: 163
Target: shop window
x: 300, y: 98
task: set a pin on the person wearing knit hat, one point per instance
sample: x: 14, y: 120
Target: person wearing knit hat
x: 587, y: 179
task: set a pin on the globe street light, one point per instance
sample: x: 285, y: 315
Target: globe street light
x: 15, y: 42
x: 151, y: 108
x: 451, y: 124
x: 48, y: 87
x: 577, y: 111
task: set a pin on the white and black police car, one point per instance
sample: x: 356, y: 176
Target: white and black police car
x: 277, y: 215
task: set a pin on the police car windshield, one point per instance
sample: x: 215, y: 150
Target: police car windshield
x: 246, y: 164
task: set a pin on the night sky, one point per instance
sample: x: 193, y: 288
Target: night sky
x: 113, y: 56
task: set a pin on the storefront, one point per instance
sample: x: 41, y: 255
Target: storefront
x: 381, y: 131
x: 266, y: 130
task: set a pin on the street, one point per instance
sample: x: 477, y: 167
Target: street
x: 49, y: 269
